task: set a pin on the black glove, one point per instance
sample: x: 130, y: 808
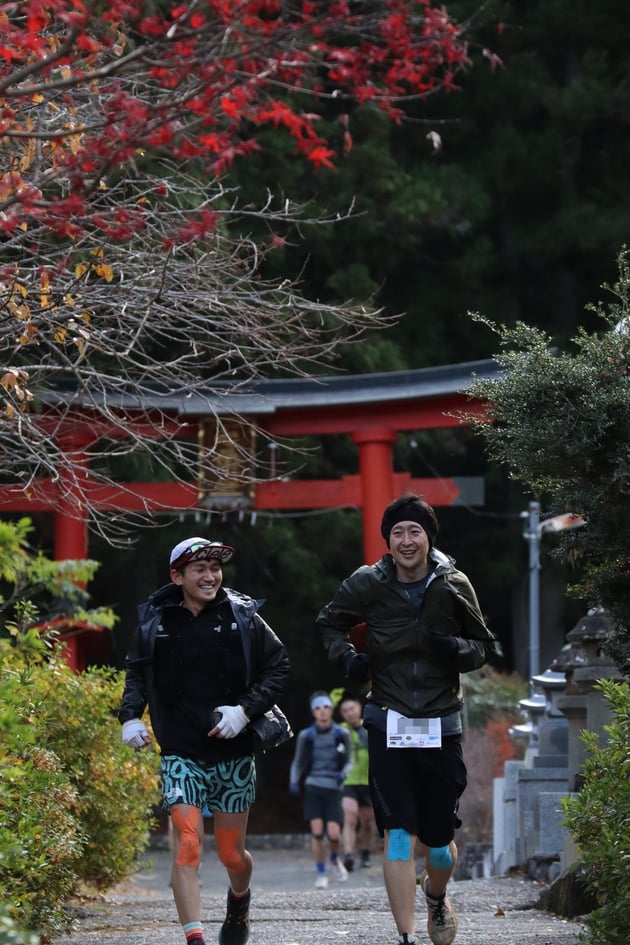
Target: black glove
x: 443, y: 645
x: 357, y: 667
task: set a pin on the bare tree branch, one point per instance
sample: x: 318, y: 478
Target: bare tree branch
x: 130, y: 275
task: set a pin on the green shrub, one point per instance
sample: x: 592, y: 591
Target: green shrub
x: 10, y: 931
x: 40, y: 837
x: 75, y: 803
x: 116, y: 787
x: 598, y: 818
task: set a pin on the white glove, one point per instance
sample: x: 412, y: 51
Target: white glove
x: 135, y: 734
x: 234, y: 720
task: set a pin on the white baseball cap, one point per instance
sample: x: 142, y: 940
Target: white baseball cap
x: 199, y: 549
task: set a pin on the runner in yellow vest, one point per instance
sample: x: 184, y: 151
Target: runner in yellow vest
x: 358, y: 814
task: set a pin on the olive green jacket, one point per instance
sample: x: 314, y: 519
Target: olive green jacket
x: 406, y: 675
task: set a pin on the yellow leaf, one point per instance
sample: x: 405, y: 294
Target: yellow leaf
x: 28, y: 156
x: 8, y: 380
x: 21, y: 289
x: 60, y: 335
x: 105, y: 271
x: 66, y: 72
x: 80, y: 270
x: 29, y: 334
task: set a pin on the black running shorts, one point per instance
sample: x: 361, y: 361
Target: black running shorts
x: 417, y: 789
x: 322, y: 804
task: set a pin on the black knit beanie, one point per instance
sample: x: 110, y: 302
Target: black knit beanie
x: 410, y: 508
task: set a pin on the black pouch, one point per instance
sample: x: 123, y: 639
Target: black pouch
x: 272, y: 728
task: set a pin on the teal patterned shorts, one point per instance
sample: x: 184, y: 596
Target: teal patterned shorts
x: 225, y: 786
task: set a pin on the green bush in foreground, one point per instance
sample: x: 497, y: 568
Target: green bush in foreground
x: 598, y: 817
x: 40, y: 836
x: 116, y: 787
x: 75, y: 803
x: 11, y: 933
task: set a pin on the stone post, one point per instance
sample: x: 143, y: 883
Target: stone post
x: 584, y: 663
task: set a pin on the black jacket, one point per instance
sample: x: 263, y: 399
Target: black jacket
x: 266, y: 660
x: 406, y: 674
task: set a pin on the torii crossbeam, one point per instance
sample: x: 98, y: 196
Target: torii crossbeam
x: 371, y: 408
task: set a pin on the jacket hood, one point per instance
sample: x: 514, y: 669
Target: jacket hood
x: 167, y: 594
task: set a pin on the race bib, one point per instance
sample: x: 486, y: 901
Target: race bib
x: 412, y: 733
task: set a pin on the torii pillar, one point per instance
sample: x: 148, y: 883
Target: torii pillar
x: 376, y: 472
x: 71, y: 519
x: 71, y: 532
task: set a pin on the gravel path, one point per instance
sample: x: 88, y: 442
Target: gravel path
x: 287, y: 910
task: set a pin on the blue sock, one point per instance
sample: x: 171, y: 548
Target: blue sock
x: 321, y: 869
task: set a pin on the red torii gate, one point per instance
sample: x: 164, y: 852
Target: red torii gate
x: 371, y: 408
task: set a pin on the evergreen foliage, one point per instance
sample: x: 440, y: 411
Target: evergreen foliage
x: 75, y: 803
x: 560, y: 425
x: 599, y: 820
x: 520, y: 213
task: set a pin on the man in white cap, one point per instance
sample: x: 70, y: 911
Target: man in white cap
x: 207, y: 665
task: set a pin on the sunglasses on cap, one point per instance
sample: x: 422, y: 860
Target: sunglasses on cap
x: 202, y: 551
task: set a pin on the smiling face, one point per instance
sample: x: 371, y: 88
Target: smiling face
x: 409, y: 545
x: 200, y: 582
x: 351, y: 712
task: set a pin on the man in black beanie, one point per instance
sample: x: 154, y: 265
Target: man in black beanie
x: 423, y: 628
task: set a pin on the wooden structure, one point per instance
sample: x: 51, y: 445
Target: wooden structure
x: 371, y: 408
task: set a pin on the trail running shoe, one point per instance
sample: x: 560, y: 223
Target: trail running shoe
x: 441, y: 919
x: 321, y: 882
x: 342, y: 872
x: 235, y: 929
x: 348, y: 862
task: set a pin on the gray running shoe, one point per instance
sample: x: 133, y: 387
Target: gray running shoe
x: 441, y: 920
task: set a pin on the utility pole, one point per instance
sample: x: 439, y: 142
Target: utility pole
x: 532, y: 533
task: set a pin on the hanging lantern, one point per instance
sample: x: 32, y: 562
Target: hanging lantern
x: 226, y: 464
